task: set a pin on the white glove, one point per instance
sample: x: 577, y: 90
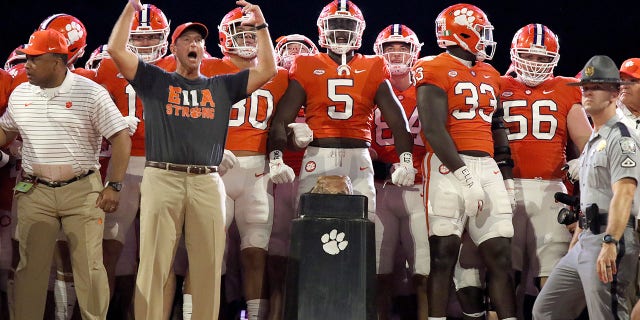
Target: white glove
x: 511, y: 192
x: 302, y: 134
x: 279, y: 172
x: 228, y: 161
x: 403, y: 173
x: 472, y: 192
x: 132, y: 122
x: 573, y: 170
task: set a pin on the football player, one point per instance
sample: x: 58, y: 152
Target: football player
x: 8, y: 173
x: 400, y: 209
x: 287, y: 48
x: 340, y: 90
x: 457, y: 95
x: 249, y: 190
x: 542, y: 114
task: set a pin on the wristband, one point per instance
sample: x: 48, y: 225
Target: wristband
x: 262, y: 26
x: 275, y: 155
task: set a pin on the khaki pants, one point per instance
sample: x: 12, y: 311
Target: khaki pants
x: 169, y: 201
x: 41, y: 212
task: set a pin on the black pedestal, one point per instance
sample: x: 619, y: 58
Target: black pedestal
x: 331, y: 271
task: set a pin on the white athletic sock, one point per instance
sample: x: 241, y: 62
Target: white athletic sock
x: 512, y: 318
x: 437, y: 318
x: 65, y: 298
x: 60, y: 296
x: 257, y: 309
x: 187, y: 306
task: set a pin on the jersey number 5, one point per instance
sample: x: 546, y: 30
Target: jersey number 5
x: 333, y: 110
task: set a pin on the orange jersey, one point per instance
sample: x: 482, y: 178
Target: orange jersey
x: 537, y: 122
x: 5, y: 89
x: 124, y: 96
x: 383, y: 142
x: 250, y: 118
x: 19, y: 75
x: 87, y: 73
x: 472, y: 98
x: 339, y: 106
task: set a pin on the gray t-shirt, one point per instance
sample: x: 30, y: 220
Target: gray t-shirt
x: 186, y: 120
x: 607, y: 158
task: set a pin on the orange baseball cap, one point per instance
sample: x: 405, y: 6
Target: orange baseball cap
x: 199, y: 27
x: 631, y: 67
x: 46, y: 41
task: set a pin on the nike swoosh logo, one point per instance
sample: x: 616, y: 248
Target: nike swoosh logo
x: 496, y: 172
x: 363, y: 168
x: 546, y: 92
x: 52, y: 48
x: 258, y: 175
x: 28, y: 104
x: 487, y: 77
x: 359, y: 71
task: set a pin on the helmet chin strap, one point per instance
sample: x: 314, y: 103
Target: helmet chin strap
x: 344, y: 68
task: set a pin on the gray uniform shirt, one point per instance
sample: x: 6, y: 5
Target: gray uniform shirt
x: 607, y: 158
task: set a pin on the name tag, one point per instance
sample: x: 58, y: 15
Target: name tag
x: 23, y: 187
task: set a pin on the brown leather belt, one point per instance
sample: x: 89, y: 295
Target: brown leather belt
x: 53, y: 184
x: 182, y: 167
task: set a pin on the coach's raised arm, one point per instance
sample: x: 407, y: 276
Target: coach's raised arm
x: 127, y: 61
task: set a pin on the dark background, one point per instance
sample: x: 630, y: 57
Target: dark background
x: 585, y: 28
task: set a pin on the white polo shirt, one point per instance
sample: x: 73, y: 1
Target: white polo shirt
x: 629, y: 118
x: 62, y: 125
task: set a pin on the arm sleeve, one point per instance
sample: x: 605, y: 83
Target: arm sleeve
x: 106, y: 117
x: 144, y: 81
x: 7, y: 122
x: 624, y: 159
x: 431, y: 75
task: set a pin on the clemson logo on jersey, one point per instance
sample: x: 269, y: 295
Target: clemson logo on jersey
x: 507, y: 94
x: 452, y: 73
x: 310, y: 166
x: 68, y: 104
x: 443, y: 169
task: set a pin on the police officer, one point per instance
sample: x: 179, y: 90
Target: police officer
x: 596, y: 272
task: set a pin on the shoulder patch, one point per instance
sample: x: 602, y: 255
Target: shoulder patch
x: 628, y: 163
x: 627, y: 145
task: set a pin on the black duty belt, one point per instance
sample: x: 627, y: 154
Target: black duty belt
x: 182, y: 167
x: 601, y: 223
x: 53, y: 184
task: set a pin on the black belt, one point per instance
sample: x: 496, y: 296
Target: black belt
x: 53, y: 184
x: 603, y: 220
x: 182, y: 167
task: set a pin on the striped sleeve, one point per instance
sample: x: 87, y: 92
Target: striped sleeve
x: 106, y: 117
x: 7, y: 122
